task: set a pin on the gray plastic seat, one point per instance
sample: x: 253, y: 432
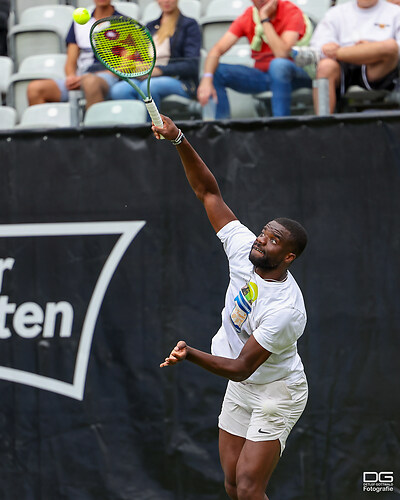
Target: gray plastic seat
x: 118, y: 112
x: 8, y: 117
x: 49, y: 115
x: 38, y: 67
x: 42, y: 30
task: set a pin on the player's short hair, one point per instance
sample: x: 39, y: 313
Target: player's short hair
x: 298, y: 234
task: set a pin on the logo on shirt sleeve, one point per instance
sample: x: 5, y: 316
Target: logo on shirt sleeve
x: 243, y: 302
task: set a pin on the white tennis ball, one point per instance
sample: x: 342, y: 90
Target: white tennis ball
x: 81, y: 15
x: 269, y: 406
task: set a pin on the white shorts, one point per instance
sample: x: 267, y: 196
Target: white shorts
x: 263, y: 412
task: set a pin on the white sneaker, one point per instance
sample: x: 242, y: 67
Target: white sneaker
x: 303, y: 56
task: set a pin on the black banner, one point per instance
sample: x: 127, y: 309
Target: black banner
x: 107, y: 259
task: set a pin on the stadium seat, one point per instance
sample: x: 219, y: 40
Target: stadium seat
x: 143, y: 4
x: 218, y: 18
x: 181, y: 108
x: 189, y: 8
x: 129, y: 9
x: 87, y: 4
x: 18, y: 6
x: 8, y: 117
x: 315, y: 9
x: 118, y: 112
x: 204, y: 6
x: 238, y: 54
x: 6, y: 69
x: 33, y: 68
x: 50, y: 115
x: 302, y: 102
x: 358, y: 99
x: 42, y: 30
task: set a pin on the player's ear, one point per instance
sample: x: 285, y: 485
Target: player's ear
x: 290, y: 258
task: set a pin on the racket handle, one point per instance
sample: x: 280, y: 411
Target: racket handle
x: 154, y: 114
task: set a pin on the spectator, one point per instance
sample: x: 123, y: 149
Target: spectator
x: 272, y: 27
x: 4, y: 13
x: 178, y: 41
x: 82, y: 69
x: 356, y: 43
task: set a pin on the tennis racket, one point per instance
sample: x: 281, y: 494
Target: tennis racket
x: 126, y: 48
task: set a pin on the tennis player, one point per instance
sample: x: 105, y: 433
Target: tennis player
x: 256, y: 346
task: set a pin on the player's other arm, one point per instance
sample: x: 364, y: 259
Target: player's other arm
x: 239, y: 369
x: 200, y: 178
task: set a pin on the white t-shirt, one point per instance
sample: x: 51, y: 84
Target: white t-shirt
x: 273, y: 312
x: 80, y: 34
x: 346, y: 24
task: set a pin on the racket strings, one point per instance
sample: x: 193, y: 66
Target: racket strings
x: 124, y: 46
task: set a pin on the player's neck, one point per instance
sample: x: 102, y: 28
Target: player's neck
x: 274, y: 275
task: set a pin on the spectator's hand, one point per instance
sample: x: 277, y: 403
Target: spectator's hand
x: 178, y: 353
x: 73, y: 82
x: 268, y: 9
x: 330, y: 49
x: 206, y: 90
x: 156, y: 72
x: 169, y: 130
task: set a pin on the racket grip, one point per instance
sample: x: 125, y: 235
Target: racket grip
x: 154, y: 114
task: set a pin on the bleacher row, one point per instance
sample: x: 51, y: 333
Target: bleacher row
x: 37, y: 31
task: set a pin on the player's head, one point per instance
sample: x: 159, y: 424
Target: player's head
x: 280, y: 242
x: 298, y: 235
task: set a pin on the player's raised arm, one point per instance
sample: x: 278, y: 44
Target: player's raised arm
x: 200, y: 178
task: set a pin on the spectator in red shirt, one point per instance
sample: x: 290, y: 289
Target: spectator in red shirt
x: 272, y: 28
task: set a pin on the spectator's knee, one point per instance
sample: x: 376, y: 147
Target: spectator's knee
x: 35, y: 91
x: 89, y: 81
x: 280, y: 69
x: 391, y: 48
x: 220, y: 76
x: 328, y: 68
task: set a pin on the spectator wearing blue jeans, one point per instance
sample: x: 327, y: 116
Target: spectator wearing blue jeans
x: 178, y: 42
x: 272, y: 28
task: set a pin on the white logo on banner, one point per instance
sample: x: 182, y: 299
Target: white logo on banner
x: 29, y: 318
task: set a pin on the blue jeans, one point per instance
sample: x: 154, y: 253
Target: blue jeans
x: 160, y: 86
x: 282, y: 77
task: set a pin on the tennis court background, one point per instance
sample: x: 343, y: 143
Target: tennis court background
x: 142, y: 433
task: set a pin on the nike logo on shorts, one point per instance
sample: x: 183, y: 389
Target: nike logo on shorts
x: 263, y: 432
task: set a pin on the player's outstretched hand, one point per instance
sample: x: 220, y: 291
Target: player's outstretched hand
x: 169, y: 130
x: 178, y: 353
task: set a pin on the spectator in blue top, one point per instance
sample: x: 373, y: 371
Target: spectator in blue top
x: 83, y: 71
x: 178, y: 41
